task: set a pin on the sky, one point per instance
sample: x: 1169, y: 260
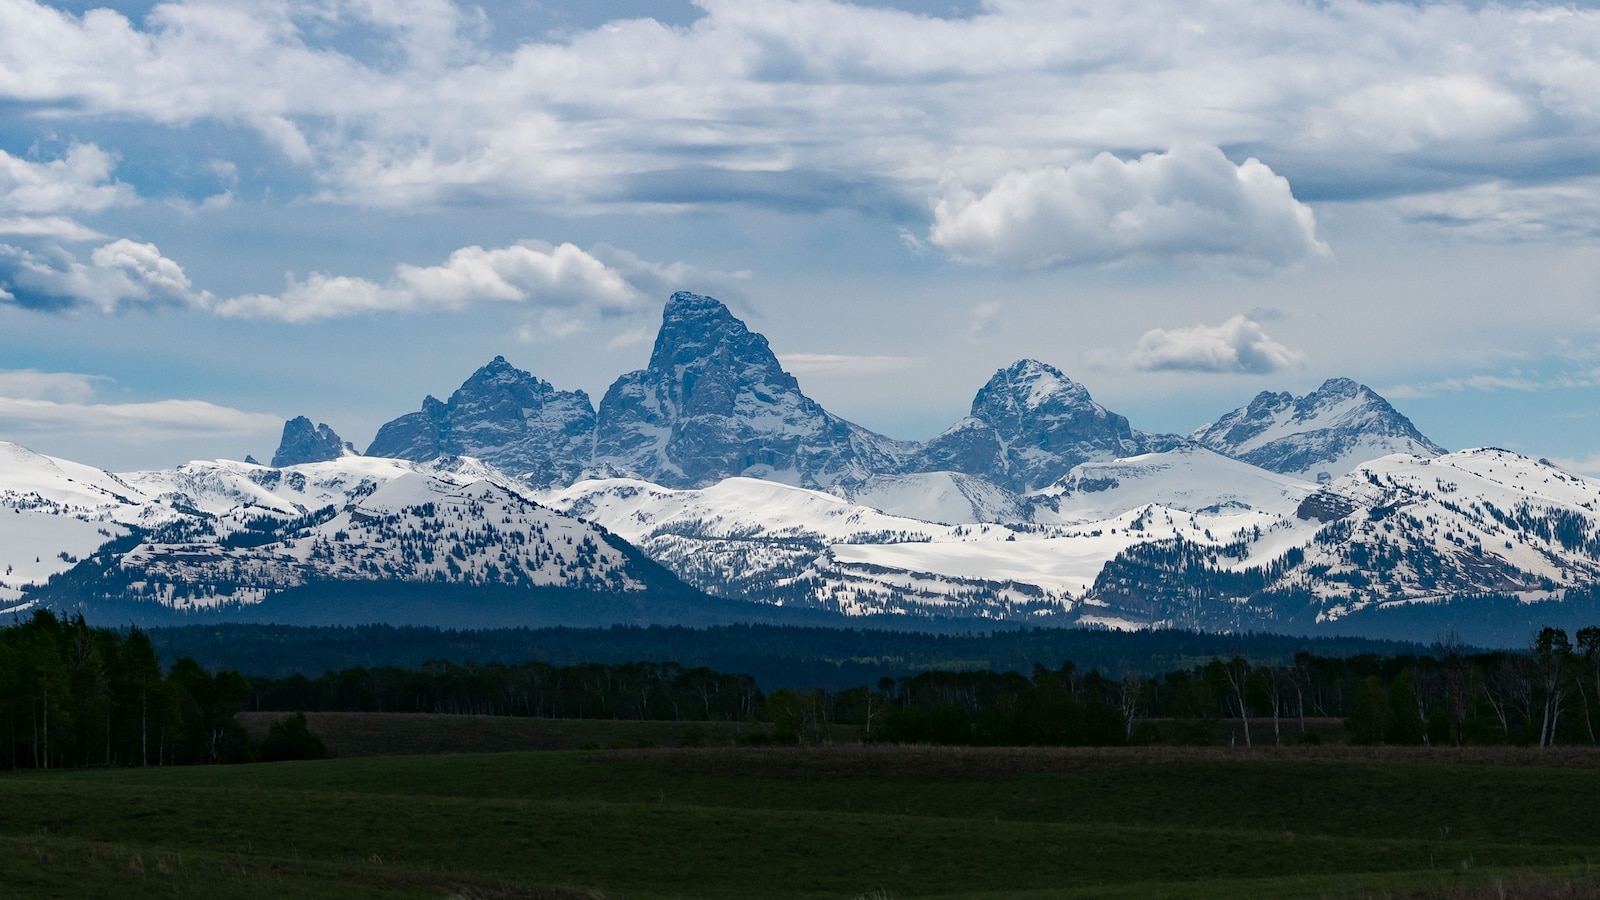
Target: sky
x: 215, y: 215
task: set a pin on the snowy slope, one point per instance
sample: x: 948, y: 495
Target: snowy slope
x: 948, y: 497
x: 53, y: 512
x: 774, y: 542
x: 1398, y: 530
x: 1191, y: 478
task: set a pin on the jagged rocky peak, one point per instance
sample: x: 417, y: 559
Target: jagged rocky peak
x: 714, y: 402
x: 504, y: 416
x: 1029, y: 426
x: 1322, y: 435
x: 306, y: 443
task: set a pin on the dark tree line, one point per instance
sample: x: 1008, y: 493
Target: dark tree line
x: 73, y: 695
x: 653, y: 691
x: 1546, y: 694
x: 76, y: 695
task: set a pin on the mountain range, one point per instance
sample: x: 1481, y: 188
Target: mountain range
x: 708, y: 482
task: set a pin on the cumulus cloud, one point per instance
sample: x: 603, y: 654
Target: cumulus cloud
x: 1189, y: 201
x: 1237, y: 345
x: 118, y: 275
x: 565, y: 282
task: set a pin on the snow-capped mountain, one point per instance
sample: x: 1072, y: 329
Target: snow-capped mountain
x: 1041, y: 505
x: 1028, y: 426
x: 714, y: 402
x: 1395, y: 533
x: 223, y: 533
x: 1320, y: 436
x: 507, y: 418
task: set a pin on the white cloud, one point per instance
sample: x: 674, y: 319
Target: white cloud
x: 983, y: 320
x: 1500, y: 210
x: 62, y: 387
x: 33, y: 195
x: 120, y: 274
x: 1589, y: 465
x: 61, y: 228
x: 655, y: 279
x: 1237, y: 345
x: 81, y: 180
x: 569, y: 283
x: 1412, y: 113
x: 1515, y: 380
x: 60, y: 406
x: 1190, y: 201
x: 130, y: 422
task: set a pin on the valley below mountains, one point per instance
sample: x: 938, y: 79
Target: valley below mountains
x: 708, y: 487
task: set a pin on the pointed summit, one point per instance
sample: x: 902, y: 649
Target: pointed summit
x: 1029, y: 426
x: 715, y: 402
x: 1322, y: 435
x: 306, y: 443
x: 504, y: 416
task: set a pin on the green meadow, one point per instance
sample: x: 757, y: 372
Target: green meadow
x: 839, y: 822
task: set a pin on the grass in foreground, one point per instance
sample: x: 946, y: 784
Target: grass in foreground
x: 840, y: 822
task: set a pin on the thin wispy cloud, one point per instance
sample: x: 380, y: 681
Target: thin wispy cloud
x: 837, y: 365
x: 149, y: 422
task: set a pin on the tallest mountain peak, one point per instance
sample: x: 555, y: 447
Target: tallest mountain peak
x: 688, y: 302
x: 714, y: 401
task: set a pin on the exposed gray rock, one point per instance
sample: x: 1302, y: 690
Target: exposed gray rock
x: 306, y: 443
x: 507, y: 418
x: 1029, y: 426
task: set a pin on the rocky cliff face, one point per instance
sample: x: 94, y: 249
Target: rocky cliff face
x: 1322, y: 435
x: 1029, y: 426
x: 504, y: 416
x: 303, y: 442
x: 714, y: 402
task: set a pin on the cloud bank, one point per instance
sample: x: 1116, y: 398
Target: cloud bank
x: 773, y: 101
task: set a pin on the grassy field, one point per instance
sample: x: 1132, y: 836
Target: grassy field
x: 405, y: 734
x: 841, y: 822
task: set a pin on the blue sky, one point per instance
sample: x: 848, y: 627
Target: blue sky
x: 215, y: 215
